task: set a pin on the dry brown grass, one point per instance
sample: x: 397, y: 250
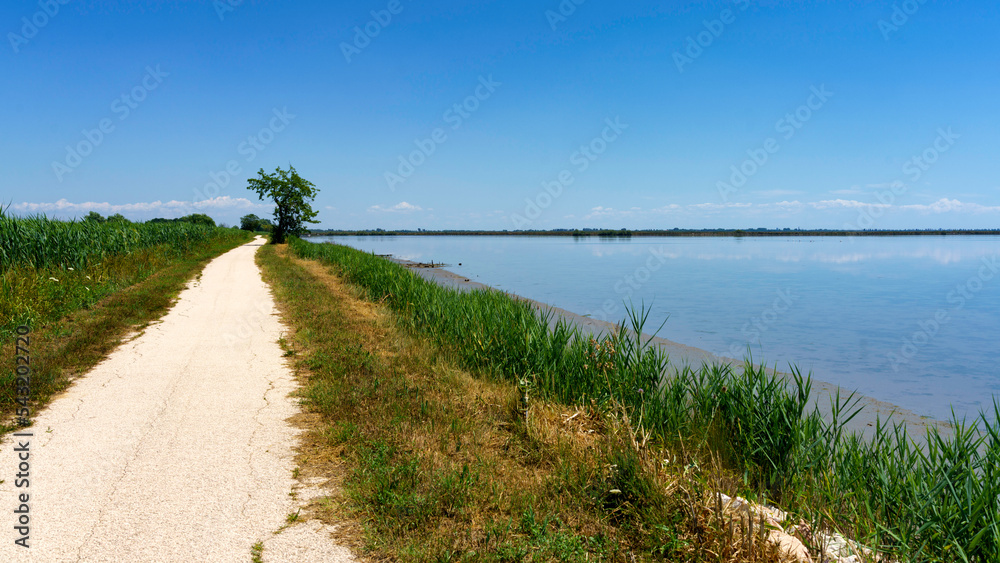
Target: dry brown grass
x: 545, y: 481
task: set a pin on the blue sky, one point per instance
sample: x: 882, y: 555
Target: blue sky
x: 502, y: 115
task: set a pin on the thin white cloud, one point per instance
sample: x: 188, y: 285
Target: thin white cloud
x: 667, y: 208
x: 401, y: 207
x: 945, y: 205
x: 717, y: 206
x: 605, y: 212
x: 790, y: 205
x: 601, y: 212
x: 173, y: 208
x: 776, y: 193
x: 845, y: 204
x: 858, y: 190
x: 794, y: 206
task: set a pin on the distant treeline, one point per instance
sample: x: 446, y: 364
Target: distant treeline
x: 118, y: 218
x: 666, y: 233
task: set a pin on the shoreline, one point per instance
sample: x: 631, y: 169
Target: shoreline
x: 610, y: 233
x: 680, y: 355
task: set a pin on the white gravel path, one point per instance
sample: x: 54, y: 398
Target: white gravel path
x: 176, y: 447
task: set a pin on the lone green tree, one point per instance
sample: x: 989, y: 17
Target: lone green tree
x: 291, y: 194
x: 250, y: 222
x: 198, y: 219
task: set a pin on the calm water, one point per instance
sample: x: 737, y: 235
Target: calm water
x: 914, y: 321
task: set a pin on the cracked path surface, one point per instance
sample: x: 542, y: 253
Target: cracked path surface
x: 177, y: 446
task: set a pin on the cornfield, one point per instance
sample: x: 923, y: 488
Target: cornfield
x: 50, y: 268
x: 39, y: 242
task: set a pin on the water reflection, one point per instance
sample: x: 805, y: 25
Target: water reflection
x: 849, y: 304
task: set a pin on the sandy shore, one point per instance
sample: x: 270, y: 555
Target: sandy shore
x: 177, y: 447
x: 683, y: 355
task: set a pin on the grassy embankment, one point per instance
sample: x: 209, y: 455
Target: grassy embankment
x: 82, y: 286
x: 658, y: 447
x: 439, y: 465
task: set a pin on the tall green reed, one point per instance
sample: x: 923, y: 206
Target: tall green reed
x: 49, y: 268
x: 39, y: 242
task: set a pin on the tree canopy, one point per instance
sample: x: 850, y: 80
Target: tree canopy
x: 254, y: 223
x: 94, y: 217
x: 250, y: 222
x: 196, y: 218
x: 291, y: 195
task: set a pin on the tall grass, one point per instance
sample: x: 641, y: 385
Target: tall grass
x: 49, y: 268
x: 39, y: 242
x: 933, y: 500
